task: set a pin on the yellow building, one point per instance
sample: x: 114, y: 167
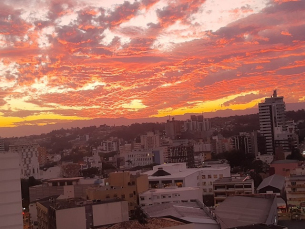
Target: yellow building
x: 120, y: 185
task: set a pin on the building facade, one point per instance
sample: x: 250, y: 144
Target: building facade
x: 272, y: 116
x: 170, y: 195
x: 28, y: 159
x: 231, y: 186
x: 10, y: 191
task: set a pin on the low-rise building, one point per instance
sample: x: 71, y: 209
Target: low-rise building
x: 67, y: 187
x: 121, y: 185
x: 283, y: 167
x: 170, y: 195
x: 177, y: 174
x: 80, y: 213
x: 230, y: 186
x: 238, y: 211
x: 274, y: 184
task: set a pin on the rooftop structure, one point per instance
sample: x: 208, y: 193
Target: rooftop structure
x: 276, y: 182
x: 260, y: 226
x: 238, y: 211
x: 176, y: 174
x: 194, y: 212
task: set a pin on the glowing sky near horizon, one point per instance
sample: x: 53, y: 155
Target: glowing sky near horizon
x: 63, y: 60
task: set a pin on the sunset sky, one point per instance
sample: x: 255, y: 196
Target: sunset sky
x: 64, y: 60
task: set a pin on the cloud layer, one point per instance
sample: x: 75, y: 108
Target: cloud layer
x: 76, y: 60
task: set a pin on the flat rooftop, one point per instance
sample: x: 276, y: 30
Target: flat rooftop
x: 182, y: 174
x: 59, y: 204
x: 233, y: 180
x: 171, y: 189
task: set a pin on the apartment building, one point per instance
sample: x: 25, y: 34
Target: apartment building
x: 231, y: 186
x: 28, y: 159
x: 295, y: 191
x: 170, y: 195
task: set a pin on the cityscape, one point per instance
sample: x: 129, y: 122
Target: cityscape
x: 148, y: 114
x: 196, y: 173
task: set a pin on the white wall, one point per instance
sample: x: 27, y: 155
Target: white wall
x: 71, y: 218
x: 50, y: 173
x: 155, y: 196
x: 10, y: 191
x: 108, y: 213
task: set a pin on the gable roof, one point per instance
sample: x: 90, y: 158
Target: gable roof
x: 236, y: 211
x: 276, y: 181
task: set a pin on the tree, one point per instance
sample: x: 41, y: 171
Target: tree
x: 139, y: 215
x: 295, y: 155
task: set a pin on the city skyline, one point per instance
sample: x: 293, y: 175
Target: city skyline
x: 66, y: 60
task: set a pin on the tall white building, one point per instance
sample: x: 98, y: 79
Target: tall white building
x: 28, y: 159
x: 10, y: 191
x: 272, y: 116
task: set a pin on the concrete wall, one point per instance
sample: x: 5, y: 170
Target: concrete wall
x: 109, y: 213
x: 10, y: 191
x: 71, y: 218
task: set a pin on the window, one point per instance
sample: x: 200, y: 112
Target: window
x: 123, y: 196
x: 204, y: 190
x: 220, y: 175
x: 215, y: 176
x: 203, y: 176
x: 107, y: 196
x: 142, y: 198
x: 115, y: 195
x: 130, y: 195
x: 209, y: 176
x: 204, y: 183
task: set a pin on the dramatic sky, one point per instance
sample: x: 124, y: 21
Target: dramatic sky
x: 83, y: 59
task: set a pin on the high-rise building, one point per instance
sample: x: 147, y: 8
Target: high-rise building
x: 1, y: 145
x: 10, y: 191
x: 272, y: 116
x: 173, y: 128
x: 28, y: 159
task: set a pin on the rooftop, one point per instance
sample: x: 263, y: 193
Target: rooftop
x: 59, y: 204
x: 153, y: 223
x: 171, y: 189
x: 284, y: 161
x: 233, y: 180
x: 238, y: 211
x: 259, y: 226
x: 190, y: 211
x: 182, y: 174
x: 275, y: 181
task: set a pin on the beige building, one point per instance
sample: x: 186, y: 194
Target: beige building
x: 121, y: 185
x: 231, y: 186
x: 67, y: 187
x: 79, y: 213
x: 295, y: 191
